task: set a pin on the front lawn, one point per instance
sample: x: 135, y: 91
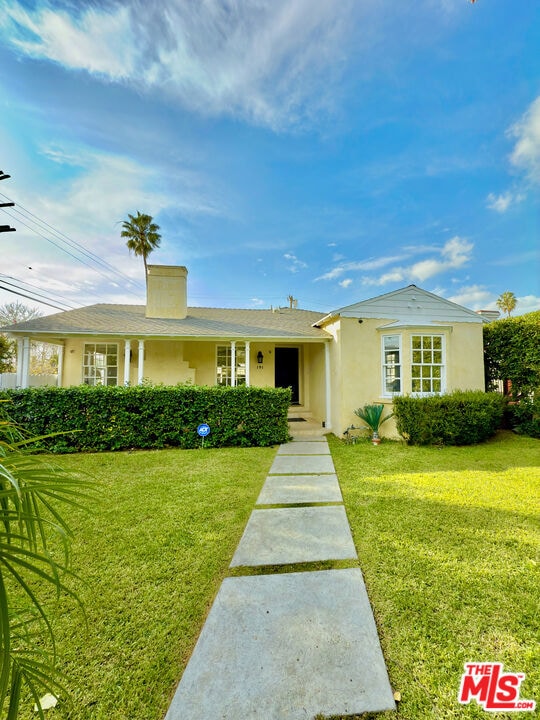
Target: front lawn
x: 152, y: 554
x: 448, y: 542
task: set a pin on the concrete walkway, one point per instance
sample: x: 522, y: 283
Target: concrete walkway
x: 289, y: 645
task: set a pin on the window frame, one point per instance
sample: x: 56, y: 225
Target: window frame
x: 91, y: 378
x: 384, y: 365
x: 426, y: 368
x: 240, y: 376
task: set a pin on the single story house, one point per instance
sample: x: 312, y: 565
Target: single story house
x: 406, y: 341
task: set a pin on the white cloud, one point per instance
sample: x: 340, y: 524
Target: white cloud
x: 371, y: 264
x: 478, y: 297
x: 264, y: 61
x: 475, y: 297
x: 295, y: 264
x: 527, y: 303
x: 455, y: 253
x: 501, y: 203
x: 526, y: 153
x: 345, y: 283
x: 97, y: 41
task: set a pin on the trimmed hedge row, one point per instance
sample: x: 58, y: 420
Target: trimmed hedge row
x: 459, y: 418
x: 120, y: 418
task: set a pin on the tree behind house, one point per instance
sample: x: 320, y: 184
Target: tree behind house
x: 142, y: 235
x: 11, y: 313
x: 507, y: 302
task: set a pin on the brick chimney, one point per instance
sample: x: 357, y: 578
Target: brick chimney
x: 166, y: 294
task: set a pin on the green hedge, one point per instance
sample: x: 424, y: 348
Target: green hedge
x: 120, y: 418
x: 512, y: 352
x: 524, y: 416
x: 459, y: 418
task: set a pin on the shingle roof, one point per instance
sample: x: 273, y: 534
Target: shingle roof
x: 130, y: 320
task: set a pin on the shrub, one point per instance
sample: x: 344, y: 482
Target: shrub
x: 459, y: 418
x: 512, y: 352
x: 119, y: 418
x: 524, y: 416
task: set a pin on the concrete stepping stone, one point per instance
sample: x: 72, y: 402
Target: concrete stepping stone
x: 291, y: 489
x: 294, y: 535
x: 286, y: 647
x: 298, y: 447
x: 302, y: 464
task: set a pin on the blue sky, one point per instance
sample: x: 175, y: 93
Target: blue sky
x: 328, y: 150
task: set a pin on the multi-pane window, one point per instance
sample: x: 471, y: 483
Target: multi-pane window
x: 427, y: 364
x: 224, y: 375
x: 391, y: 364
x: 100, y: 364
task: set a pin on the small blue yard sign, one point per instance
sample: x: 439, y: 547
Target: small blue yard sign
x: 203, y: 430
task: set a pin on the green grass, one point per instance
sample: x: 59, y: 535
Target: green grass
x: 152, y: 554
x: 448, y: 542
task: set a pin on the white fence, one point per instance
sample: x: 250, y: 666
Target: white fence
x: 8, y: 381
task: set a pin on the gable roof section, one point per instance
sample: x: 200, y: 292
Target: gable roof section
x: 200, y: 323
x: 408, y: 306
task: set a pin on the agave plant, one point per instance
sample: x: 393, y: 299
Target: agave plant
x: 34, y: 555
x: 371, y: 415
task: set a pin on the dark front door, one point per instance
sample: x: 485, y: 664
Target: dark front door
x: 287, y: 371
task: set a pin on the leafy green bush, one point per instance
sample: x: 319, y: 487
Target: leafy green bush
x: 459, y: 418
x: 512, y: 352
x: 524, y: 416
x: 119, y: 418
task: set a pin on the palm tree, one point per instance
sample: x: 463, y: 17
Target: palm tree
x: 142, y: 235
x: 34, y: 555
x: 507, y: 302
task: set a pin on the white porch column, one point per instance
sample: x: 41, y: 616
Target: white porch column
x: 233, y: 363
x: 127, y: 358
x: 140, y: 368
x: 328, y: 380
x: 25, y: 366
x: 19, y: 362
x: 60, y: 367
x: 247, y: 363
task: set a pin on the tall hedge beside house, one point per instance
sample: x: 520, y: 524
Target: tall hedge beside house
x: 512, y: 352
x: 120, y: 418
x: 459, y: 418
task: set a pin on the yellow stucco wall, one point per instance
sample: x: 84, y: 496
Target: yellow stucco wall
x: 163, y: 363
x: 314, y: 374
x: 357, y: 364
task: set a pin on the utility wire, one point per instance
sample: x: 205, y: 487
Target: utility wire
x: 29, y: 297
x: 72, y: 244
x: 52, y: 242
x: 55, y: 296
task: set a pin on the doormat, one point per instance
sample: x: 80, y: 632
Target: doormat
x: 296, y: 419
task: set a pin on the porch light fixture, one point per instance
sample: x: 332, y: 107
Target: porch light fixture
x: 260, y: 358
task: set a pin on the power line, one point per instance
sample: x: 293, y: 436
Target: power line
x: 29, y: 297
x: 57, y: 298
x: 52, y: 242
x: 72, y: 244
